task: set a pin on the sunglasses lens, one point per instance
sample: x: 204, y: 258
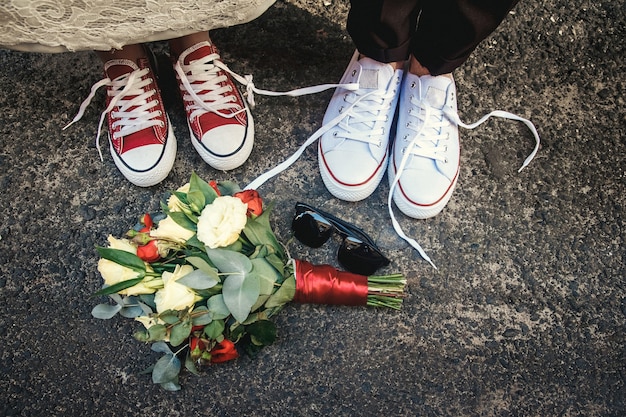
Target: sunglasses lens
x: 359, y: 257
x: 311, y: 229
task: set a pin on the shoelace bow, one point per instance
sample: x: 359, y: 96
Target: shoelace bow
x: 137, y: 119
x: 129, y: 93
x: 432, y: 121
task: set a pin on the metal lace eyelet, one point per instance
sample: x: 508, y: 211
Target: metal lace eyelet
x: 445, y: 160
x: 413, y: 84
x: 335, y: 134
x: 353, y: 73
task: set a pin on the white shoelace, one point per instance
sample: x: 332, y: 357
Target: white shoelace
x: 139, y: 118
x: 134, y: 114
x: 426, y: 137
x: 432, y: 122
x: 362, y: 113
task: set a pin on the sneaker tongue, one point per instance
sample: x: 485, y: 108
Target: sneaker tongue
x: 374, y: 75
x: 198, y: 51
x: 118, y: 67
x: 434, y: 90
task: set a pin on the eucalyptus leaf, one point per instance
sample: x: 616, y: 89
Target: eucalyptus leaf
x: 201, y: 316
x: 169, y: 316
x: 214, y: 329
x: 267, y: 275
x: 166, y: 369
x: 199, y: 280
x: 201, y: 264
x: 217, y: 307
x: 229, y: 262
x: 157, y: 332
x: 191, y: 366
x: 121, y: 257
x: 105, y: 311
x: 161, y: 347
x: 284, y: 294
x: 240, y: 293
x: 171, y: 386
x: 132, y: 311
x: 180, y: 332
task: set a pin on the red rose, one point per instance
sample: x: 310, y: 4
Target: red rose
x: 213, y: 185
x: 224, y: 351
x: 253, y: 199
x: 147, y: 252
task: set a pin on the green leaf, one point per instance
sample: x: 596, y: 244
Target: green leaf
x: 121, y: 257
x: 171, y: 386
x: 166, y: 369
x: 132, y: 311
x: 161, y: 347
x: 198, y: 184
x: 228, y: 187
x: 229, y: 262
x: 259, y: 232
x: 214, y: 329
x: 111, y: 289
x: 200, y: 280
x: 284, y: 294
x: 157, y: 332
x: 263, y: 332
x: 191, y: 366
x: 183, y: 221
x: 196, y: 201
x: 180, y: 332
x: 267, y: 275
x: 169, y: 316
x: 201, y: 316
x: 217, y: 307
x: 240, y: 293
x: 105, y: 311
x: 201, y: 263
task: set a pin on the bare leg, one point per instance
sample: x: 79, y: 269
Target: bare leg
x: 178, y: 45
x: 131, y: 52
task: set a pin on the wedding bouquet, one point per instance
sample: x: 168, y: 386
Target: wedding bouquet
x: 206, y: 274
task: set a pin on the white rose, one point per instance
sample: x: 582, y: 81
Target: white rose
x: 175, y: 296
x: 221, y: 222
x: 114, y: 273
x: 174, y: 203
x: 168, y: 229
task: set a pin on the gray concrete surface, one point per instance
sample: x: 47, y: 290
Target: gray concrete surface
x: 524, y: 317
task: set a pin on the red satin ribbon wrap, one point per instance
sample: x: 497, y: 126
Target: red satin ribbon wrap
x: 323, y: 284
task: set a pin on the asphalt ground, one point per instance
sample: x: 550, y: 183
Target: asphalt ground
x: 525, y: 315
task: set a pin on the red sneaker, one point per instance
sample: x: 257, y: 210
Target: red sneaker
x: 142, y: 141
x: 221, y: 126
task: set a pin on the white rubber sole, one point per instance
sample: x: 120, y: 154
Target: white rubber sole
x: 158, y: 172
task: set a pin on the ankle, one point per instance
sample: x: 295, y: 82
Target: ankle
x: 179, y: 45
x: 131, y: 52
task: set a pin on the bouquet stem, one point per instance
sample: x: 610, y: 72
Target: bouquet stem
x: 324, y: 284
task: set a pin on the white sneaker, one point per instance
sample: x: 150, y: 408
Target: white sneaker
x: 426, y: 151
x: 353, y: 154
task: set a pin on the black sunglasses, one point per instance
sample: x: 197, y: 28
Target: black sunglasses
x: 358, y: 253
